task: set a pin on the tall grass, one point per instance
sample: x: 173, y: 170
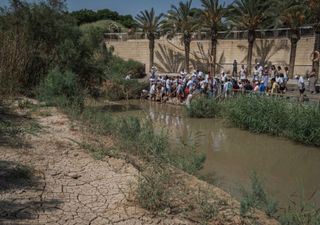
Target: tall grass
x: 257, y: 198
x: 203, y: 107
x: 301, y: 211
x: 258, y: 114
x: 153, y: 189
x: 261, y: 114
x: 304, y: 124
x: 275, y: 116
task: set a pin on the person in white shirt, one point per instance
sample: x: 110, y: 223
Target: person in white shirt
x: 256, y: 73
x: 243, y: 74
x: 301, y: 85
x: 168, y: 86
x: 260, y: 72
x: 153, y: 92
x: 183, y: 73
x: 223, y: 77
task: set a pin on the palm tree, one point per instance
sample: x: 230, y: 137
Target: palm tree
x: 211, y: 16
x: 170, y: 60
x: 249, y: 15
x: 292, y: 15
x: 314, y: 6
x: 265, y: 49
x: 151, y: 25
x: 182, y: 19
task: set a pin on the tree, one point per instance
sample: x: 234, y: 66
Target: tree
x: 292, y: 15
x: 170, y: 60
x: 182, y: 19
x: 314, y: 6
x: 84, y: 16
x: 249, y: 15
x: 151, y: 25
x: 212, y: 15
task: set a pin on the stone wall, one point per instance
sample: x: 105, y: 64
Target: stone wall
x: 169, y: 54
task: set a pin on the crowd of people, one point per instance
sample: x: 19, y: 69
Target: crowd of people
x: 265, y: 79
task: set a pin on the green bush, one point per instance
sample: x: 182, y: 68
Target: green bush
x: 30, y: 36
x: 139, y: 138
x: 304, y: 124
x: 61, y: 89
x: 153, y: 192
x: 258, y: 114
x: 120, y: 89
x: 119, y: 68
x: 103, y: 25
x: 203, y: 107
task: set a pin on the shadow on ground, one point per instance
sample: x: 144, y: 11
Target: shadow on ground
x: 17, y: 203
x: 29, y: 210
x: 13, y: 127
x: 16, y: 176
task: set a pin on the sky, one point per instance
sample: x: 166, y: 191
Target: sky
x: 123, y: 7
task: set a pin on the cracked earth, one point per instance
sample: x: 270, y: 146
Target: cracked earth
x: 71, y: 188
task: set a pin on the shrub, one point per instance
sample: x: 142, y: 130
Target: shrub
x: 153, y: 192
x: 61, y: 89
x: 257, y: 198
x: 30, y: 34
x: 119, y: 68
x: 140, y: 139
x: 120, y: 89
x: 258, y: 114
x: 301, y: 211
x: 203, y: 108
x: 304, y: 124
x: 186, y: 157
x: 207, y: 207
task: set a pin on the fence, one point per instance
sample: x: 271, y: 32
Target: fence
x: 231, y: 35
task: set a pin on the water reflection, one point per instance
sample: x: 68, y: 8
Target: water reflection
x: 233, y: 154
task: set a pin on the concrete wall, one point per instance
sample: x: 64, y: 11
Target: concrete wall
x: 276, y: 51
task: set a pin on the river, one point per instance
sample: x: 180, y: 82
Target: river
x: 286, y: 168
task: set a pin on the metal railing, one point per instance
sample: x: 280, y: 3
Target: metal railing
x: 307, y: 31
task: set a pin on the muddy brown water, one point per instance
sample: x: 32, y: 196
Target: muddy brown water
x: 286, y: 168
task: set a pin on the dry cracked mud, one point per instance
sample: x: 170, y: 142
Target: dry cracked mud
x: 71, y: 188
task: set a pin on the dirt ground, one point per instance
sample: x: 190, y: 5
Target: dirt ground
x: 69, y: 187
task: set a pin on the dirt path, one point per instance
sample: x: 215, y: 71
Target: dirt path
x: 71, y: 187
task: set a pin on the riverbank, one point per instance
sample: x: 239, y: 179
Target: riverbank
x: 286, y: 167
x: 69, y: 186
x: 273, y: 115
